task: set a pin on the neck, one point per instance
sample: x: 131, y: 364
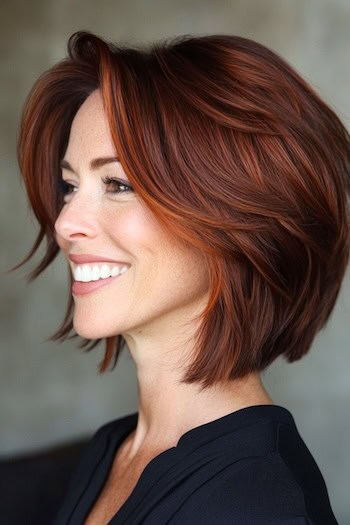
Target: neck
x: 168, y: 409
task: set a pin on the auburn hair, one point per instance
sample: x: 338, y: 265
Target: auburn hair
x: 236, y: 155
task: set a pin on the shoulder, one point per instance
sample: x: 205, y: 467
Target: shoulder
x: 90, y: 455
x: 259, y: 491
x: 95, y: 446
x: 266, y: 491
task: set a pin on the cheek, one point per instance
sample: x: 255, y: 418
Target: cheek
x: 162, y: 257
x: 130, y: 236
x: 139, y: 229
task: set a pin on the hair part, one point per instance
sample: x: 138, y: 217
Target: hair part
x: 237, y: 156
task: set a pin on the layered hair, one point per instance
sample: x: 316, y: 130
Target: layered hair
x: 237, y: 156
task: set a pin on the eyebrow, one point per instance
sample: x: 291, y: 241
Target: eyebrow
x: 94, y: 164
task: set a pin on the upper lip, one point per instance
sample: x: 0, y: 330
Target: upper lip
x: 89, y: 258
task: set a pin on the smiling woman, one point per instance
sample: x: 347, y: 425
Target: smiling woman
x: 199, y: 191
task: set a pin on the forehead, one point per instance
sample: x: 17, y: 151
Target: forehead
x: 90, y: 134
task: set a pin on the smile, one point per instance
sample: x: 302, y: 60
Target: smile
x: 94, y: 272
x: 83, y: 288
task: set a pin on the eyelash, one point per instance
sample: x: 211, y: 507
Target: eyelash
x: 106, y: 180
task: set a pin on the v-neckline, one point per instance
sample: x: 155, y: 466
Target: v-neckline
x: 114, y: 446
x: 158, y: 465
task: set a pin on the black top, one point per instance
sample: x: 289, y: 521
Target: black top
x: 248, y: 467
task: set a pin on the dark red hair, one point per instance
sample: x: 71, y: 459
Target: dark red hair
x: 236, y: 155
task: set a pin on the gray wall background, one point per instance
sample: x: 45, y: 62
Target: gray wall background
x: 51, y: 392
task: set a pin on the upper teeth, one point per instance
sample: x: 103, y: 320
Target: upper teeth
x: 89, y: 272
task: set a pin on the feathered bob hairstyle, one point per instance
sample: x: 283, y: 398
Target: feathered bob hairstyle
x: 236, y: 155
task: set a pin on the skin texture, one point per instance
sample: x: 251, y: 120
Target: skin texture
x: 165, y: 286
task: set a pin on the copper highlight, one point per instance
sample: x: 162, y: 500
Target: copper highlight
x: 237, y: 156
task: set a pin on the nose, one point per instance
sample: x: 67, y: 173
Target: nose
x: 76, y: 220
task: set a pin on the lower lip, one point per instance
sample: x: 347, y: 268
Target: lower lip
x: 80, y: 288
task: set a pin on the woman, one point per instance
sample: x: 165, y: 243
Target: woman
x: 198, y: 189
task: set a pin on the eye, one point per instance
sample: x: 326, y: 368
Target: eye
x: 118, y: 186
x: 64, y: 187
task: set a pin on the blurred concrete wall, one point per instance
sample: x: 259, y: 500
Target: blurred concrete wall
x: 51, y: 392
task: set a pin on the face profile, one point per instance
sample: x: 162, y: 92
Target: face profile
x: 165, y: 281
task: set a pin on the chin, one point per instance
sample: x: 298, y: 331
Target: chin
x: 89, y: 331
